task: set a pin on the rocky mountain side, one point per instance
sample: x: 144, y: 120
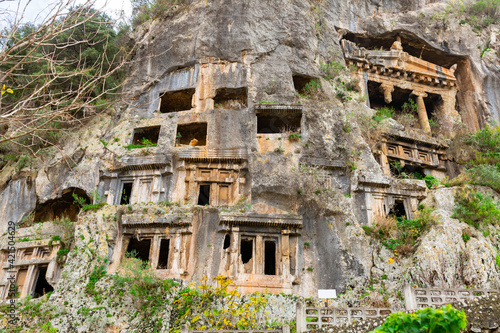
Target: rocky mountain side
x: 288, y: 145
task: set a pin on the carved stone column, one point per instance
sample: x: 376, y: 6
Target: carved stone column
x: 259, y: 255
x: 236, y: 266
x: 285, y: 252
x: 422, y: 112
x: 387, y: 89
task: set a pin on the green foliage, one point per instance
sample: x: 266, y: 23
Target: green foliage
x: 486, y: 146
x: 431, y: 181
x: 465, y: 237
x: 400, y: 234
x: 24, y: 161
x: 476, y: 208
x: 78, y: 200
x: 367, y: 230
x: 137, y: 280
x: 95, y: 206
x: 294, y: 136
x: 311, y: 88
x: 154, y: 9
x: 485, y: 175
x: 482, y: 13
x: 221, y: 307
x: 144, y: 143
x: 497, y: 258
x: 430, y: 320
x: 96, y: 198
x: 346, y: 127
x: 331, y: 70
x: 410, y: 107
x: 480, y: 152
x: 279, y: 150
x: 59, y: 67
x: 383, y: 113
x: 97, y: 273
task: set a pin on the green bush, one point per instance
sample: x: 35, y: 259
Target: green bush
x: 498, y: 260
x: 485, y: 175
x: 429, y: 320
x: 486, y: 146
x: 465, y: 237
x: 410, y: 107
x: 97, y: 273
x: 155, y: 9
x: 384, y: 113
x: 431, y: 181
x: 331, y: 69
x: 311, y: 88
x: 137, y: 280
x: 400, y: 234
x: 476, y: 208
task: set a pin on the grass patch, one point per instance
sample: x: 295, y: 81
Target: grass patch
x: 476, y: 208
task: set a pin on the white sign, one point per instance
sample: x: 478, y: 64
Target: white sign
x: 327, y: 293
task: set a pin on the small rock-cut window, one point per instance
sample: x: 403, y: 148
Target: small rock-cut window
x: 204, y: 195
x: 246, y: 250
x: 227, y: 241
x: 164, y: 252
x: 230, y: 98
x: 300, y: 81
x: 278, y: 123
x: 194, y: 134
x: 270, y: 257
x: 173, y: 101
x: 146, y: 136
x: 126, y: 193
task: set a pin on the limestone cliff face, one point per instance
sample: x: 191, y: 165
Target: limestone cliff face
x: 217, y: 91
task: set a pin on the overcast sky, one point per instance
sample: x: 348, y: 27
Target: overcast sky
x: 37, y: 10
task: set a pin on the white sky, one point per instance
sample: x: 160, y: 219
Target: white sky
x: 36, y: 10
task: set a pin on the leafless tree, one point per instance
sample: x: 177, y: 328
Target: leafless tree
x: 57, y: 73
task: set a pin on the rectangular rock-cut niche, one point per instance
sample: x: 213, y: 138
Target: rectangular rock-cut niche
x: 126, y: 193
x: 398, y: 210
x: 164, y: 254
x: 42, y: 286
x: 270, y: 257
x: 278, y: 122
x: 139, y: 249
x: 146, y: 136
x: 173, y: 101
x: 300, y: 82
x: 204, y: 195
x: 247, y: 253
x: 194, y: 134
x: 434, y: 105
x: 231, y: 98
